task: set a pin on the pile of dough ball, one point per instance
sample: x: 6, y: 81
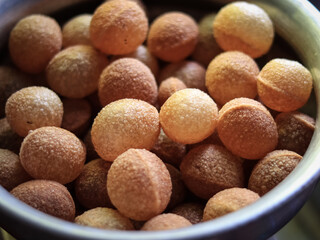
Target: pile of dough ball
x: 149, y: 125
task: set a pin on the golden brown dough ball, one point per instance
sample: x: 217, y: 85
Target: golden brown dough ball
x: 33, y: 107
x: 47, y: 196
x: 139, y: 184
x: 118, y: 27
x: 52, y: 153
x: 76, y: 31
x: 169, y: 87
x: 74, y: 72
x: 272, y: 169
x: 189, y: 116
x: 243, y: 27
x: 173, y: 36
x: 124, y: 124
x: 284, y: 85
x: 104, y: 218
x: 232, y: 75
x: 166, y: 221
x: 247, y: 128
x: 33, y: 41
x: 208, y: 169
x: 228, y: 201
x: 8, y: 138
x: 127, y: 78
x: 192, y: 211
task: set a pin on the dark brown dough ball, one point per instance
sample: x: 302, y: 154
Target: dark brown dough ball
x: 192, y: 211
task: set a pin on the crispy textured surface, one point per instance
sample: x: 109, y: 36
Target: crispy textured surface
x: 139, y: 184
x: 189, y: 116
x: 173, y: 36
x: 118, y: 27
x: 127, y: 78
x: 47, y: 196
x: 104, y: 218
x: 232, y: 75
x: 272, y: 169
x: 124, y: 124
x: 53, y: 153
x: 169, y: 87
x: 244, y: 27
x: 228, y: 201
x: 166, y: 221
x: 209, y: 168
x: 33, y: 107
x: 192, y: 211
x: 33, y: 41
x: 74, y: 72
x: 247, y: 128
x: 284, y: 85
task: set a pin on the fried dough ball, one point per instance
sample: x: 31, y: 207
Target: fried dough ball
x: 169, y: 87
x: 139, y: 184
x: 11, y: 172
x: 247, y: 128
x: 243, y: 27
x: 52, y: 153
x: 124, y: 124
x: 208, y: 169
x: 33, y: 107
x: 33, y: 41
x: 173, y: 36
x: 192, y: 211
x: 212, y: 139
x: 227, y: 201
x: 47, y: 196
x: 8, y: 138
x: 127, y: 78
x: 76, y: 31
x: 284, y: 85
x: 232, y: 75
x: 272, y: 169
x: 189, y: 116
x: 104, y: 218
x: 74, y: 72
x: 166, y: 221
x: 118, y: 27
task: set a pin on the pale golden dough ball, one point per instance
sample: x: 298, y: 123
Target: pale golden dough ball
x: 232, y: 75
x: 272, y: 169
x: 118, y: 27
x: 192, y: 211
x: 173, y: 36
x: 127, y: 78
x: 244, y: 27
x: 33, y: 41
x: 284, y: 85
x: 139, y: 184
x: 247, y: 128
x: 104, y: 218
x: 33, y: 107
x: 52, y: 153
x: 76, y: 31
x: 166, y: 221
x: 189, y: 116
x: 169, y: 87
x: 74, y: 72
x: 124, y: 124
x: 228, y: 201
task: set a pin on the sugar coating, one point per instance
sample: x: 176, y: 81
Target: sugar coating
x: 33, y: 107
x: 166, y: 221
x: 192, y: 211
x: 52, y: 153
x: 244, y: 27
x: 284, y: 85
x: 272, y: 169
x: 118, y: 27
x: 247, y: 128
x: 228, y: 201
x: 189, y: 116
x: 33, y: 41
x: 232, y: 75
x: 172, y: 36
x: 169, y: 87
x: 124, y: 124
x: 127, y: 78
x: 47, y: 196
x: 104, y: 218
x: 74, y: 72
x: 139, y: 184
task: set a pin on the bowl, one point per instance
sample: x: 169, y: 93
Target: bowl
x: 296, y: 21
